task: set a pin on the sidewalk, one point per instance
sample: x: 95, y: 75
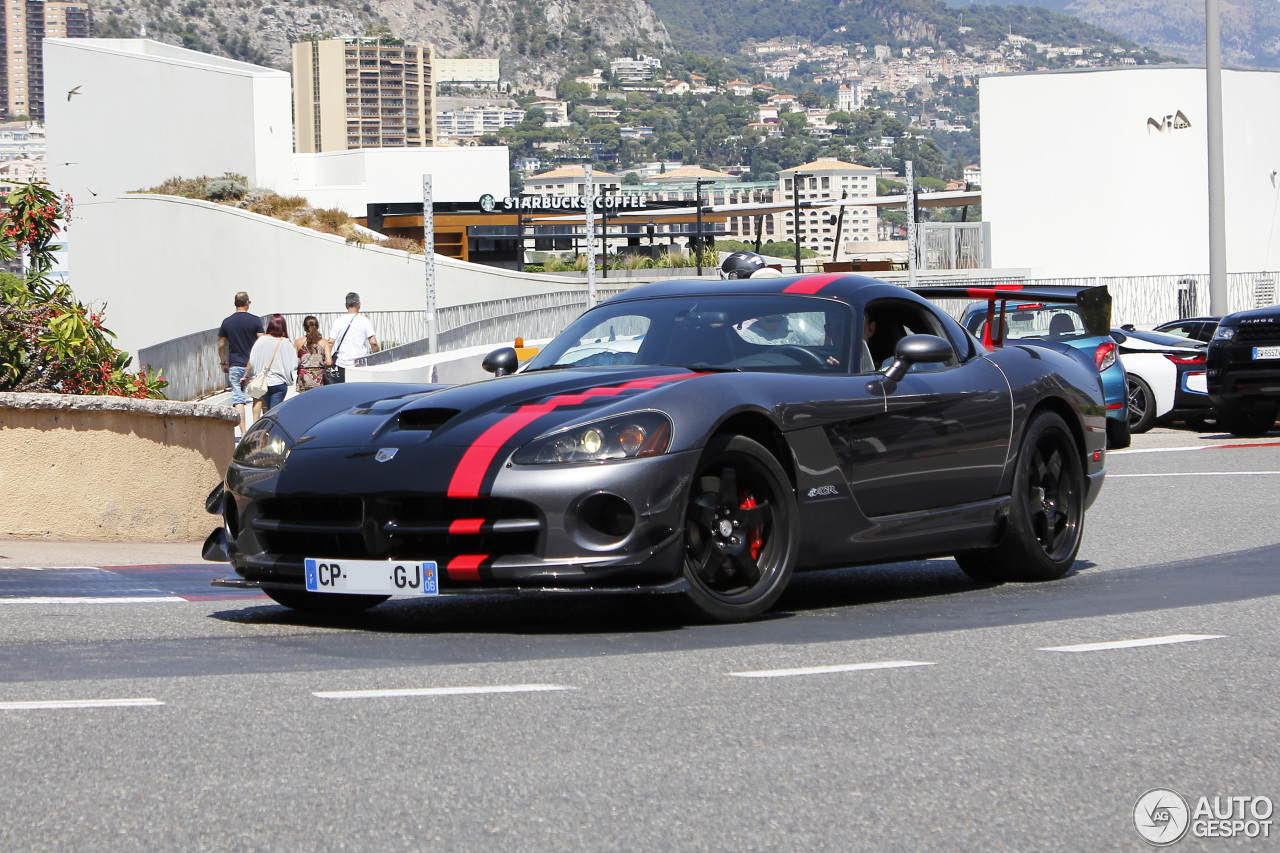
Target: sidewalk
x: 48, y: 553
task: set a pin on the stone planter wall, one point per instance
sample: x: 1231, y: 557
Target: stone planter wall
x: 110, y: 468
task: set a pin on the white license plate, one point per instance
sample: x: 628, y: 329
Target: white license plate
x: 371, y: 577
x: 1266, y: 352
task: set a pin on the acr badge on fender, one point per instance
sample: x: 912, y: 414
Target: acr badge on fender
x: 385, y: 454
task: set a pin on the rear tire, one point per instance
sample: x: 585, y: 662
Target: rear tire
x: 741, y: 535
x: 324, y: 603
x: 1046, y: 514
x: 1247, y: 424
x: 1118, y: 434
x: 1142, y: 406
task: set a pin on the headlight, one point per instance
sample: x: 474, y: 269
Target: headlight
x: 1224, y: 333
x: 265, y: 445
x: 627, y: 437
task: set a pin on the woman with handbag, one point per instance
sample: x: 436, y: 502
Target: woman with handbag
x: 313, y: 353
x: 267, y: 386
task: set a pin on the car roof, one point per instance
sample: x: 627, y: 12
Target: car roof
x: 1191, y: 320
x: 845, y: 287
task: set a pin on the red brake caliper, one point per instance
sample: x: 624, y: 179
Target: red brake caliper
x: 754, y: 538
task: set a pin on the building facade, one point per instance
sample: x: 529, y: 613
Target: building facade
x: 483, y: 72
x: 25, y: 25
x: 361, y: 93
x: 471, y: 122
x: 829, y: 179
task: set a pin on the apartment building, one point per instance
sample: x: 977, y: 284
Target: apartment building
x: 25, y: 25
x: 362, y: 93
x: 829, y: 179
x: 470, y: 122
x: 482, y: 72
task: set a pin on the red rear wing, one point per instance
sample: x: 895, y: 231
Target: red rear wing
x: 1094, y: 303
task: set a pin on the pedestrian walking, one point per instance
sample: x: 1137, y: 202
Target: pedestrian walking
x: 236, y: 337
x: 351, y: 337
x: 277, y: 359
x: 313, y: 355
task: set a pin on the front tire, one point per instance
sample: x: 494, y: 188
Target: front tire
x: 1046, y: 515
x: 740, y: 531
x: 1142, y: 406
x: 324, y: 603
x: 1247, y: 424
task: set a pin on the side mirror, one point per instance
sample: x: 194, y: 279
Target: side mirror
x: 917, y: 348
x: 501, y: 362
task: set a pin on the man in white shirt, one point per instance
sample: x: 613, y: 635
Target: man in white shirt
x: 351, y: 337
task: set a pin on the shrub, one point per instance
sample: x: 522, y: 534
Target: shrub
x: 49, y: 340
x: 225, y: 190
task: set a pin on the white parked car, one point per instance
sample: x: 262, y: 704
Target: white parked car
x: 1166, y: 377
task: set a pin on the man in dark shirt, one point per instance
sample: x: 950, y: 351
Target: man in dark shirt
x: 235, y: 340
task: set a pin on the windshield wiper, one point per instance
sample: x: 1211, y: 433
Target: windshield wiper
x: 549, y: 367
x: 705, y: 368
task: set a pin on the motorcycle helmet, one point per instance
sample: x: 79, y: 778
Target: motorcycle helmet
x: 741, y: 265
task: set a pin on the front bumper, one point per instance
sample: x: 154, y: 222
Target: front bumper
x: 614, y: 525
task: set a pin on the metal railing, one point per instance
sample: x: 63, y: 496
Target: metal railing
x: 953, y: 245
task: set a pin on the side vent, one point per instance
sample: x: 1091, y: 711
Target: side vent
x: 427, y: 419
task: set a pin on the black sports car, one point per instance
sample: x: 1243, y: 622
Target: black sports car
x: 708, y: 438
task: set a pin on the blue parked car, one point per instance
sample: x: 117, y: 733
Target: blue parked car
x: 1078, y: 317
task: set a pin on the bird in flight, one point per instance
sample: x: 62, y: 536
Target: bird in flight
x: 74, y: 91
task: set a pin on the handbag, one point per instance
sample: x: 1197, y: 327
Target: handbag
x: 257, y: 387
x: 332, y: 375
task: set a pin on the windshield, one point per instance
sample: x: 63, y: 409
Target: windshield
x: 1031, y: 321
x: 731, y: 332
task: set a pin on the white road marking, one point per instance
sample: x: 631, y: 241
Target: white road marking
x: 53, y: 705
x: 1195, y: 447
x: 1201, y: 474
x: 1132, y: 644
x: 822, y: 670
x: 439, y: 691
x: 124, y: 599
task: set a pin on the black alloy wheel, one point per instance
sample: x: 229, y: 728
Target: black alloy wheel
x: 1046, y: 512
x: 740, y: 531
x: 328, y: 604
x: 1247, y: 424
x: 1142, y: 405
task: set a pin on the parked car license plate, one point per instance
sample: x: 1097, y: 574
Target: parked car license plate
x: 371, y: 577
x: 1266, y: 352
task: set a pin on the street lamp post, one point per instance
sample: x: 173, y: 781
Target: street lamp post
x: 795, y: 219
x: 697, y: 238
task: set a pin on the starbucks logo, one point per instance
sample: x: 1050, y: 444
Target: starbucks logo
x: 487, y: 204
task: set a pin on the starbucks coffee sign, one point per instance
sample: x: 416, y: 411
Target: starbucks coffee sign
x: 573, y: 202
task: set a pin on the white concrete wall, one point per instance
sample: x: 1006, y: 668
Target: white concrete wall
x: 350, y: 180
x: 146, y: 111
x: 1075, y: 182
x: 170, y: 266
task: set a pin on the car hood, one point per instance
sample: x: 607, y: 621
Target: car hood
x: 459, y: 415
x: 455, y: 440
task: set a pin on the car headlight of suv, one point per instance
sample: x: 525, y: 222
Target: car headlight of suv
x: 626, y: 437
x: 1224, y: 333
x: 265, y: 445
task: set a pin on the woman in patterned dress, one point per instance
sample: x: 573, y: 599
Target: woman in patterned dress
x: 313, y: 352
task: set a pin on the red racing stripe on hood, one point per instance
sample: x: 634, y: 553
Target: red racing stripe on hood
x: 475, y: 462
x: 813, y: 283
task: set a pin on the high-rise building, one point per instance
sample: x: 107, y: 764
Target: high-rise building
x: 824, y: 180
x: 361, y: 93
x: 25, y: 25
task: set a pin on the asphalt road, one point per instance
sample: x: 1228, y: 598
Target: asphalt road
x: 881, y: 708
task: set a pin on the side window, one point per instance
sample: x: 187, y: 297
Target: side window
x: 887, y: 321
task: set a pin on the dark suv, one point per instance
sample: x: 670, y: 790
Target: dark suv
x: 1243, y: 371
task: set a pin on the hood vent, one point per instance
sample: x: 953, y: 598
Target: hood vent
x: 425, y: 419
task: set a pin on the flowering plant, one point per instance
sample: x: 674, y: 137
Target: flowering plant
x: 49, y: 340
